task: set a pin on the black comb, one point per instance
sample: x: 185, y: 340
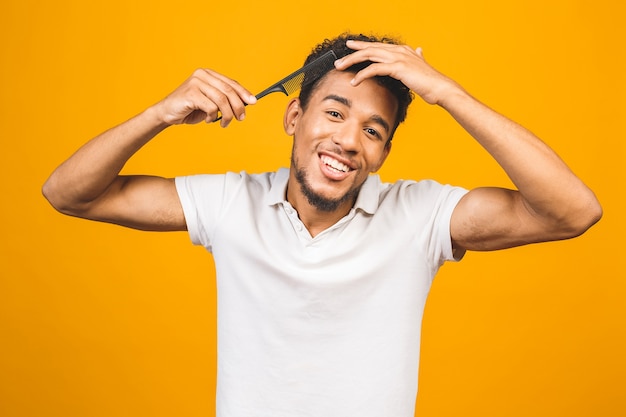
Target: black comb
x: 304, y: 76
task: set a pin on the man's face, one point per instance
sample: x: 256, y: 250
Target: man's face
x: 339, y: 140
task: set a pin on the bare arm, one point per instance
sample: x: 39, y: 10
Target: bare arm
x: 550, y: 202
x: 88, y: 183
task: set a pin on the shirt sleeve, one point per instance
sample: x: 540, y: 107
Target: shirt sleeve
x: 429, y: 206
x: 201, y: 197
x: 448, y: 200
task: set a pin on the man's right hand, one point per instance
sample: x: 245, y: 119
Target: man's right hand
x: 205, y: 96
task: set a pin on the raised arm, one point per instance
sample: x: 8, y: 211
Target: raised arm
x: 88, y: 183
x: 550, y: 202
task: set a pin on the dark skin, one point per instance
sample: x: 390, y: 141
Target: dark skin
x: 342, y: 127
x: 338, y: 140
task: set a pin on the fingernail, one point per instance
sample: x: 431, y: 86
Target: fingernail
x: 338, y: 62
x: 241, y: 117
x: 252, y: 99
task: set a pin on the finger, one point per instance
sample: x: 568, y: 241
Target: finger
x: 228, y: 95
x: 243, y: 92
x: 373, y: 54
x: 358, y: 45
x: 204, y: 92
x: 209, y: 99
x: 229, y: 104
x: 236, y: 92
x: 226, y: 111
x: 371, y: 71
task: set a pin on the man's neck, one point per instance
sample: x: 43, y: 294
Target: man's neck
x: 314, y: 219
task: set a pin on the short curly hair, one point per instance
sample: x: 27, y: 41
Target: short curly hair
x: 402, y: 93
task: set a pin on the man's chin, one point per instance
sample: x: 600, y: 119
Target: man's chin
x: 325, y: 202
x: 326, y: 199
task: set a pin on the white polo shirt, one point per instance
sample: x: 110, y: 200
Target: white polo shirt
x: 326, y: 326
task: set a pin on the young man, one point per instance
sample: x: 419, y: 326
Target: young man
x: 323, y: 270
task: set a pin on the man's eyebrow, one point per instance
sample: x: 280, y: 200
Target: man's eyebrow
x: 375, y: 118
x: 340, y: 99
x: 380, y: 121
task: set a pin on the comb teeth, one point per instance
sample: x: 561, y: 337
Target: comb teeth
x: 314, y: 70
x: 304, y: 76
x: 293, y: 83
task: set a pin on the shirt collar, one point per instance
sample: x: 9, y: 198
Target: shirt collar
x: 367, y: 199
x: 278, y: 188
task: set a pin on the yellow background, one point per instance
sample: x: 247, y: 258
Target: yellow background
x: 97, y: 320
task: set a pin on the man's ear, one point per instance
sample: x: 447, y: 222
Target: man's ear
x: 292, y: 114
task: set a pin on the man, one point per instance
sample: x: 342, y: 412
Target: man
x: 323, y: 270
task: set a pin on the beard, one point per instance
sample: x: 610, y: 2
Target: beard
x: 315, y: 199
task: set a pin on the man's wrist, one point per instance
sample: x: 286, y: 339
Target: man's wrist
x: 154, y: 118
x: 451, y: 93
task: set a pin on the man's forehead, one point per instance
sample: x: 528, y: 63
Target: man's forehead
x: 369, y: 94
x: 334, y: 77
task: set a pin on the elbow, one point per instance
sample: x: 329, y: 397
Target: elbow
x: 52, y: 192
x: 49, y: 193
x: 593, y: 214
x: 581, y: 219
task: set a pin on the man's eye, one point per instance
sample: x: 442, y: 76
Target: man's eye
x: 334, y: 113
x: 372, y: 132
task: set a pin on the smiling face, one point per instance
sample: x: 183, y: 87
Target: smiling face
x: 341, y: 137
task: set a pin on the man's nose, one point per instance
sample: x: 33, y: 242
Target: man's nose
x: 348, y: 137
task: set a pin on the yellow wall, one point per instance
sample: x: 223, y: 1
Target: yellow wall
x: 97, y: 320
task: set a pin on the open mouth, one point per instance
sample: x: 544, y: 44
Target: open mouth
x: 334, y: 164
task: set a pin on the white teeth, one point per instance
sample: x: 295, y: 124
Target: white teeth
x: 335, y: 164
